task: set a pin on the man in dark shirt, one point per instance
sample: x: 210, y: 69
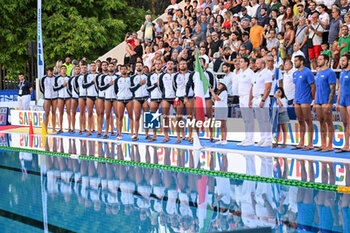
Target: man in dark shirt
x: 215, y: 44
x: 24, y: 92
x: 344, y: 7
x: 136, y: 52
x: 246, y: 43
x: 264, y: 18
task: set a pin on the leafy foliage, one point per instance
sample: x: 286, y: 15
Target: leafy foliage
x: 70, y: 27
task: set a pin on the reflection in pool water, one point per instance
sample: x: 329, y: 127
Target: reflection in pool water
x: 85, y: 196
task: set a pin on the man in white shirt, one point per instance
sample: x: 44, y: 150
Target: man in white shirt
x: 297, y: 51
x: 314, y: 31
x: 287, y: 81
x: 172, y: 8
x: 259, y: 100
x: 222, y: 9
x: 244, y: 86
x: 253, y: 9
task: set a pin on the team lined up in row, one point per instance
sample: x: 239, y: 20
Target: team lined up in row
x: 120, y: 90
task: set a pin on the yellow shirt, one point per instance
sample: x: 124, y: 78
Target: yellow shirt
x: 255, y: 35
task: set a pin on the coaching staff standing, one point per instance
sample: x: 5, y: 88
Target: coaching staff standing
x: 24, y: 92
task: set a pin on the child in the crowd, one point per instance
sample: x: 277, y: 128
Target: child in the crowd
x: 221, y: 109
x: 325, y: 50
x: 281, y: 39
x: 283, y: 118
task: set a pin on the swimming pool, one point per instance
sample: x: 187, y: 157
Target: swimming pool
x: 57, y: 194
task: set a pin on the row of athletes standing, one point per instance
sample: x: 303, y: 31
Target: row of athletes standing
x: 119, y: 90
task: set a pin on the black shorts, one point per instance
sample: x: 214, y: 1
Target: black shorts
x: 125, y: 101
x: 156, y: 100
x: 170, y: 101
x: 93, y: 98
x: 50, y: 99
x: 64, y: 99
x: 100, y: 98
x: 82, y: 97
x: 183, y: 98
x: 141, y: 100
x: 76, y: 99
x: 110, y: 100
x: 207, y: 98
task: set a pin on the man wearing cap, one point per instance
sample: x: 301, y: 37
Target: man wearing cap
x: 24, y: 92
x: 246, y: 42
x: 244, y: 14
x: 259, y: 100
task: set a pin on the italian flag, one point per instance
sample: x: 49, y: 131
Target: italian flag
x: 201, y: 86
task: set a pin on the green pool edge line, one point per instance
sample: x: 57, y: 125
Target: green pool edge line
x: 297, y: 183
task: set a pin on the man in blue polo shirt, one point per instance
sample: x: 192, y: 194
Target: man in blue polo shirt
x: 325, y: 92
x: 304, y: 81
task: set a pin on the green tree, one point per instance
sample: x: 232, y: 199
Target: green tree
x: 70, y: 27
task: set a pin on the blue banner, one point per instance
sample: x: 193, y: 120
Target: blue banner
x: 40, y: 51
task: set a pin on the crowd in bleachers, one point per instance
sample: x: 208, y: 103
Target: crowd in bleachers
x: 233, y: 29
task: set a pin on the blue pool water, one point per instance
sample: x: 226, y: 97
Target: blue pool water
x: 45, y: 193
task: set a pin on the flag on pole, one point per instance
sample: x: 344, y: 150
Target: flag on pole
x: 201, y: 87
x: 40, y: 50
x: 274, y: 114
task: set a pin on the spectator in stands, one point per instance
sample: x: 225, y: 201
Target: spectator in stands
x: 301, y: 39
x: 344, y: 41
x: 148, y: 28
x: 334, y: 27
x: 344, y: 7
x: 272, y: 40
x: 215, y: 45
x: 256, y: 33
x: 280, y: 18
x: 297, y: 51
x: 287, y: 17
x: 198, y: 35
x: 311, y: 9
x: 275, y: 5
x: 314, y: 31
x: 262, y: 4
x: 201, y: 6
x: 288, y: 40
x: 170, y: 10
x: 135, y: 53
x: 25, y: 90
x: 253, y: 8
x: 302, y: 13
x: 263, y: 19
x: 217, y: 62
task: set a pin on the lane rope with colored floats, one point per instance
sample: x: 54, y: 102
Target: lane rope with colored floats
x: 300, y: 184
